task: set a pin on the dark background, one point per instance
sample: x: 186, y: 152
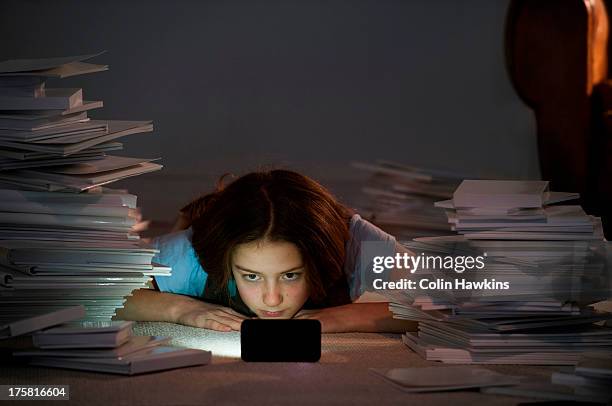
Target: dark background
x: 307, y: 85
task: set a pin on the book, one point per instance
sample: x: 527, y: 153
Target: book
x: 78, y: 158
x: 73, y: 209
x: 109, y: 163
x: 458, y: 355
x: 475, y: 214
x: 108, y: 197
x: 36, y: 124
x: 439, y: 379
x: 499, y: 193
x: 60, y: 67
x: 118, y: 223
x: 547, y: 391
x: 15, y: 326
x: 23, y: 281
x: 154, y: 359
x: 595, y: 365
x: 11, y: 81
x: 27, y: 90
x: 132, y: 345
x: 88, y: 327
x: 18, y: 254
x: 40, y: 114
x: 9, y: 155
x: 100, y: 269
x: 23, y: 136
x: 575, y: 380
x: 550, y: 216
x: 78, y: 183
x: 59, y: 99
x: 116, y: 129
x: 84, y: 335
x: 85, y: 237
x: 548, y: 198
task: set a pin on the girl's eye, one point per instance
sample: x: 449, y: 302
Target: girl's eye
x: 251, y: 277
x: 291, y: 276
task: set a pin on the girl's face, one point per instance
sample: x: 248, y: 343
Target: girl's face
x: 270, y: 277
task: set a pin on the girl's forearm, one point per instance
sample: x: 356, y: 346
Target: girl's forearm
x: 375, y: 318
x: 358, y: 317
x: 152, y: 305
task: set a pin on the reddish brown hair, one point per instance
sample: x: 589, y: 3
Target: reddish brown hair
x: 277, y: 205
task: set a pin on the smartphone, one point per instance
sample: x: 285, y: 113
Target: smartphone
x: 286, y: 340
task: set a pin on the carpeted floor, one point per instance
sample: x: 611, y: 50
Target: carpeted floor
x: 340, y: 378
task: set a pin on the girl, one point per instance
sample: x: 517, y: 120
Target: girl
x: 272, y: 244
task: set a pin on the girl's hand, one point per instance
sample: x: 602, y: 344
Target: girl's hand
x: 141, y: 224
x: 212, y: 317
x: 333, y: 319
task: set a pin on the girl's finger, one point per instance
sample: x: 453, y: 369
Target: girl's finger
x: 228, y: 315
x: 234, y: 312
x: 305, y: 312
x: 205, y: 320
x: 215, y: 325
x: 232, y: 323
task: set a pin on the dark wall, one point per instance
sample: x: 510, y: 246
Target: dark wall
x: 310, y: 85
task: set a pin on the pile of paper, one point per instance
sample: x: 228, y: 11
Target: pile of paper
x: 400, y: 199
x: 64, y: 238
x: 544, y: 266
x: 57, y: 340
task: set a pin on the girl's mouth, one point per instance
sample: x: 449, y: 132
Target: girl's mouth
x: 272, y: 314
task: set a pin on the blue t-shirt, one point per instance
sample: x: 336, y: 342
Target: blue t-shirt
x: 189, y: 278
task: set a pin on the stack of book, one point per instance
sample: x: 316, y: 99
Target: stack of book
x: 47, y: 140
x: 518, y: 210
x: 544, y: 266
x: 400, y: 198
x: 56, y: 339
x: 65, y: 239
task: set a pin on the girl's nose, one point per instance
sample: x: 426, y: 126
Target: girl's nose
x: 272, y: 296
